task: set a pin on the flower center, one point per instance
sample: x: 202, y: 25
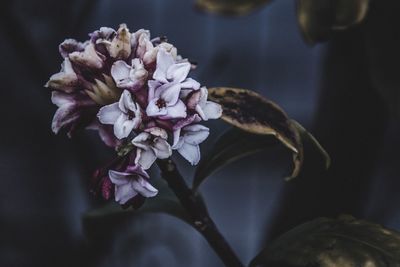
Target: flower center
x: 161, y: 103
x: 131, y: 115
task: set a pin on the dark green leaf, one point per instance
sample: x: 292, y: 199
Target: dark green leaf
x: 230, y: 7
x: 333, y: 242
x: 349, y: 12
x: 101, y: 221
x: 231, y: 146
x: 318, y: 18
x: 315, y: 18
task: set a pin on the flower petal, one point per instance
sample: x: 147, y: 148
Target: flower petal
x: 123, y: 126
x: 178, y: 72
x: 190, y: 83
x: 109, y: 114
x: 153, y: 110
x: 66, y: 80
x: 144, y: 188
x: 145, y: 158
x: 89, y: 57
x: 124, y: 193
x: 69, y: 46
x: 170, y: 94
x: 190, y: 152
x: 153, y: 85
x: 126, y: 102
x: 119, y: 178
x: 175, y: 112
x: 164, y: 61
x: 120, y: 46
x: 212, y: 110
x: 195, y: 134
x: 141, y: 140
x: 120, y: 73
x: 161, y: 148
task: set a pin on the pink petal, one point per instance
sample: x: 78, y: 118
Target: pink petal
x: 161, y: 148
x: 120, y: 73
x: 153, y: 110
x: 189, y: 83
x: 146, y: 158
x: 144, y: 188
x: 176, y: 111
x: 124, y: 193
x: 170, y: 94
x: 195, y: 134
x: 212, y: 110
x: 109, y: 114
x: 164, y: 61
x: 190, y: 152
x: 178, y: 72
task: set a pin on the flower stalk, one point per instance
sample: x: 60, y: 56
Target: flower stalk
x: 198, y: 213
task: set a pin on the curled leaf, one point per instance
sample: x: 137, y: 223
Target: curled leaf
x: 230, y: 7
x: 253, y: 113
x: 333, y: 242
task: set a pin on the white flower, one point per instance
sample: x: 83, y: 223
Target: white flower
x: 130, y: 183
x: 166, y: 88
x: 187, y: 144
x: 125, y: 115
x: 129, y: 77
x: 168, y: 70
x: 151, y: 144
x: 197, y: 100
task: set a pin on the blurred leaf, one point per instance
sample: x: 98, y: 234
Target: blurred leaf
x: 230, y: 146
x: 101, y: 221
x: 333, y: 242
x: 315, y: 18
x: 230, y: 7
x: 349, y: 12
x: 318, y: 18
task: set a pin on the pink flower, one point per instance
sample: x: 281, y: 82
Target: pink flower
x: 130, y: 183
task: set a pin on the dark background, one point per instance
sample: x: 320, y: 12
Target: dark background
x: 334, y: 89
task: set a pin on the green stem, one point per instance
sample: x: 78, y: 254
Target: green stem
x: 198, y: 213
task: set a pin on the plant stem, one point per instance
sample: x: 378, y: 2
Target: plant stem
x: 198, y: 213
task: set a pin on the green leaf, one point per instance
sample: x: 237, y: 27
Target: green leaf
x: 101, y: 221
x: 349, y: 13
x: 315, y: 18
x: 230, y: 7
x: 230, y: 146
x: 319, y: 18
x: 333, y: 242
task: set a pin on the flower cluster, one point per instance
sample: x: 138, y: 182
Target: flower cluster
x: 136, y: 93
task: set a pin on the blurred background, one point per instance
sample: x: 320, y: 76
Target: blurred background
x: 337, y: 90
